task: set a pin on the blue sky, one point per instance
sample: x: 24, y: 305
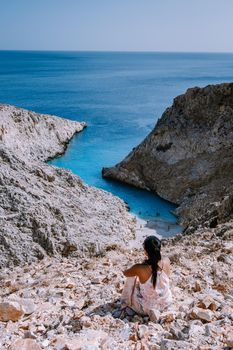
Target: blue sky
x: 131, y: 25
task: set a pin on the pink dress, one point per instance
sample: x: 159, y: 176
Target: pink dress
x: 143, y: 297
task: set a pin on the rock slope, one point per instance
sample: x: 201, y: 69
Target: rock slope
x: 72, y: 304
x: 187, y: 158
x: 45, y: 210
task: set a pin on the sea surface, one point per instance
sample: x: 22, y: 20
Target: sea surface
x: 119, y: 94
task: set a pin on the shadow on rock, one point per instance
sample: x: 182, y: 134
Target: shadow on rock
x: 114, y: 309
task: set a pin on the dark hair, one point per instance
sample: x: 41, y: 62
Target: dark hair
x: 152, y: 246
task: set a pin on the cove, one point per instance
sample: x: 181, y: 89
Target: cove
x: 87, y: 162
x: 120, y: 95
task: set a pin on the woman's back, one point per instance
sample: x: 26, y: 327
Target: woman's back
x: 147, y: 285
x: 145, y: 273
x: 160, y: 296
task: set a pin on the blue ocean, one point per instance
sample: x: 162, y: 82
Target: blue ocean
x: 119, y: 94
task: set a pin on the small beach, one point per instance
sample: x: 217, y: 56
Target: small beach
x: 159, y: 228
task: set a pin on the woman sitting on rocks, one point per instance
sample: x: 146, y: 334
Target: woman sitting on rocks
x: 147, y: 284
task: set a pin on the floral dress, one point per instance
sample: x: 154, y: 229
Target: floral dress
x: 143, y: 297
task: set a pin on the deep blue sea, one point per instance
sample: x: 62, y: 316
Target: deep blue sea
x: 119, y: 95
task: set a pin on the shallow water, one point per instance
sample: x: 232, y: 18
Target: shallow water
x: 119, y: 95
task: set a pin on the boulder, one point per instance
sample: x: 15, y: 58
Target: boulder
x: 87, y: 339
x: 154, y: 315
x: 10, y: 311
x: 28, y: 306
x: 202, y: 314
x: 207, y: 302
x: 25, y: 344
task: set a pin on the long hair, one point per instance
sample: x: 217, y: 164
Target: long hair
x: 152, y: 246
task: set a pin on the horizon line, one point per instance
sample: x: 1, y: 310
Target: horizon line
x: 114, y: 51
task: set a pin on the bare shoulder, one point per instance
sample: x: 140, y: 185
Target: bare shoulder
x: 134, y: 270
x: 140, y: 267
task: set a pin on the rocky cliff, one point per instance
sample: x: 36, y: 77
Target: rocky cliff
x: 45, y: 210
x: 187, y: 158
x: 65, y: 302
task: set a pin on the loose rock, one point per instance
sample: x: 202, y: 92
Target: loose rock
x: 10, y: 311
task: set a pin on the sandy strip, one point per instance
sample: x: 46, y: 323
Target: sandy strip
x: 159, y: 228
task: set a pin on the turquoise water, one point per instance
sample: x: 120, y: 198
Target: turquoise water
x: 119, y: 95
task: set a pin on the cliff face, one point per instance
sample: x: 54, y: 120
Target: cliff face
x: 46, y: 210
x: 187, y: 158
x: 35, y: 136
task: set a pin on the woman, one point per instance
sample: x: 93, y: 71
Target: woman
x: 147, y: 284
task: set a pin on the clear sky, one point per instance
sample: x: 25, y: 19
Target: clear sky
x: 137, y: 25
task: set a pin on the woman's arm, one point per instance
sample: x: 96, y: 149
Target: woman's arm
x: 167, y: 266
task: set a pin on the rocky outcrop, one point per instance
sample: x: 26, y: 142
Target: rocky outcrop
x: 34, y: 136
x: 46, y: 210
x: 187, y: 158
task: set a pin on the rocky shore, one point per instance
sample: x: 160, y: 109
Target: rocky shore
x: 69, y: 243
x: 187, y: 158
